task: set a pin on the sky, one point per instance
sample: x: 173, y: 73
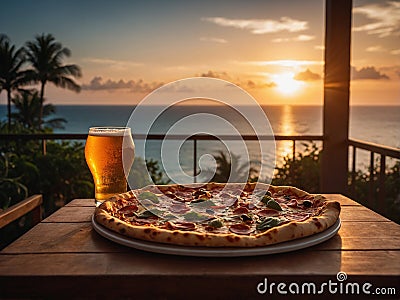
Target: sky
x: 272, y: 49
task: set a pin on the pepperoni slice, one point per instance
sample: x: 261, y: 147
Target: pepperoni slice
x: 179, y: 208
x: 181, y: 225
x: 298, y: 217
x: 241, y: 229
x: 217, y: 207
x: 143, y: 221
x: 128, y: 210
x: 292, y: 203
x: 170, y: 194
x: 268, y: 213
x: 240, y: 211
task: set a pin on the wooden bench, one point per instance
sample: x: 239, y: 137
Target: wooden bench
x: 31, y: 204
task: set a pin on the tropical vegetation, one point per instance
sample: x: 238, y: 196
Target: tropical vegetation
x: 45, y: 56
x: 60, y: 175
x: 12, y: 77
x: 39, y: 62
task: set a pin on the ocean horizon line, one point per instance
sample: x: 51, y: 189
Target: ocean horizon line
x: 220, y: 105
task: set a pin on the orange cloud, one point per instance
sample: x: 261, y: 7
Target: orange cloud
x: 307, y: 75
x: 367, y: 73
x: 245, y: 84
x: 139, y: 86
x: 261, y: 26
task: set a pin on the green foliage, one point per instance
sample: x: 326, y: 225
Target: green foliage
x: 362, y: 188
x: 64, y: 174
x: 303, y: 171
x: 11, y: 186
x: 28, y: 108
x: 230, y: 168
x: 61, y: 175
x: 138, y: 176
x: 146, y: 172
x: 156, y: 174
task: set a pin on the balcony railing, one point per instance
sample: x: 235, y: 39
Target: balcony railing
x: 199, y: 137
x: 382, y: 151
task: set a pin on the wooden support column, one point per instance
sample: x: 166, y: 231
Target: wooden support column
x: 334, y: 165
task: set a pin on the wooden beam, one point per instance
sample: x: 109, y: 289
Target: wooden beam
x: 20, y: 209
x: 334, y: 165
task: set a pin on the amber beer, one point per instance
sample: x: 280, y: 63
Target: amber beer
x: 109, y: 153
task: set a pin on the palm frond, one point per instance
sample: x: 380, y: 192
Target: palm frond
x: 69, y: 70
x: 66, y: 83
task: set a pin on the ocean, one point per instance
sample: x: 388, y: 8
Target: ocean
x: 378, y: 124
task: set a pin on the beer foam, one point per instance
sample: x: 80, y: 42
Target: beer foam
x: 109, y: 131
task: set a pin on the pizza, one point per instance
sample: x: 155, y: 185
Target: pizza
x: 217, y: 215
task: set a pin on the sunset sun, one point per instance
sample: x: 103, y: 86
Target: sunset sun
x: 286, y: 84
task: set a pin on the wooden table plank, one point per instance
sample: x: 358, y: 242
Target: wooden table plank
x: 343, y: 200
x: 63, y: 237
x: 140, y: 263
x: 80, y: 237
x: 364, y: 236
x: 68, y: 214
x: 360, y: 213
x: 81, y: 202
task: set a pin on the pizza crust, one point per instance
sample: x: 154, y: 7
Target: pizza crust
x: 329, y: 213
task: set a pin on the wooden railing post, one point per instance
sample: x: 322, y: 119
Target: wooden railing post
x: 334, y: 164
x: 382, y: 190
x: 194, y: 159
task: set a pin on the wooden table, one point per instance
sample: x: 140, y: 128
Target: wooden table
x: 64, y: 257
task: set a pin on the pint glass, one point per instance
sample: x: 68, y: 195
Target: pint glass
x: 109, y: 153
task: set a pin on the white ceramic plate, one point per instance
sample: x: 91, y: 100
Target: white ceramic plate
x: 217, y: 252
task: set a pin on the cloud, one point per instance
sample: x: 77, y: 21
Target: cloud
x: 386, y: 17
x: 213, y: 39
x: 139, y: 86
x: 261, y: 26
x: 391, y: 71
x: 250, y: 84
x: 299, y: 38
x: 215, y: 74
x: 377, y: 48
x: 367, y: 73
x: 307, y: 75
x: 245, y: 84
x: 285, y: 62
x: 113, y: 63
x: 395, y: 51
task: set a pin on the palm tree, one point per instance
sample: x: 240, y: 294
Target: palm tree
x: 229, y: 168
x: 28, y: 105
x: 11, y: 75
x: 46, y: 56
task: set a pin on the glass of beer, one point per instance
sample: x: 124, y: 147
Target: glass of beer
x: 109, y: 153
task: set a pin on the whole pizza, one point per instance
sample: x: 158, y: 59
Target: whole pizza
x: 218, y: 215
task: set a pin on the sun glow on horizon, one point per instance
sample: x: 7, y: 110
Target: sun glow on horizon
x: 286, y: 84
